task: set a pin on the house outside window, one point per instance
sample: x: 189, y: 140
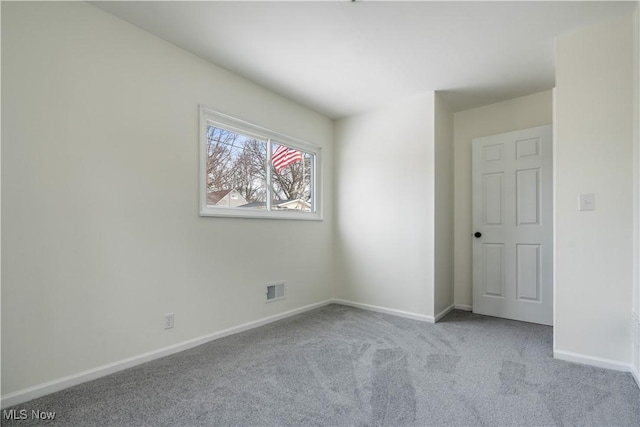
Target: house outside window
x: 250, y: 171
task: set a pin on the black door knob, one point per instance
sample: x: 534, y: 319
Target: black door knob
x: 477, y: 234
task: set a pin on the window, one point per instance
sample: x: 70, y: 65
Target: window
x: 250, y: 171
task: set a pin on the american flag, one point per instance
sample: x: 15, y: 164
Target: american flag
x: 285, y: 156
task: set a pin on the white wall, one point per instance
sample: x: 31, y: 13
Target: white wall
x: 594, y: 154
x: 100, y: 228
x: 384, y: 195
x: 520, y: 113
x: 443, y: 151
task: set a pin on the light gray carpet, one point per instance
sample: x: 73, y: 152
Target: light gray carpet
x: 345, y: 367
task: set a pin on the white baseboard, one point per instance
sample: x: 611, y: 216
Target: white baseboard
x: 393, y: 312
x: 40, y: 390
x: 444, y: 312
x: 463, y: 307
x: 592, y: 361
x: 636, y: 375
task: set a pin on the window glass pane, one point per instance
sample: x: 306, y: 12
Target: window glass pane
x: 291, y: 179
x: 236, y: 170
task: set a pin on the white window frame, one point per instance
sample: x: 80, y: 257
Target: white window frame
x: 210, y: 117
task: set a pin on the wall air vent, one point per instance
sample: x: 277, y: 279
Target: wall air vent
x: 274, y: 291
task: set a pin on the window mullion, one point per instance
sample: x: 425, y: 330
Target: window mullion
x: 268, y: 166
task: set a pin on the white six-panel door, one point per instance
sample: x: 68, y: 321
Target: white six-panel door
x: 512, y: 225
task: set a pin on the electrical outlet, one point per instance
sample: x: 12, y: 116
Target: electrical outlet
x: 168, y: 321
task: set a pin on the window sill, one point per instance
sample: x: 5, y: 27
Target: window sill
x: 258, y: 214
